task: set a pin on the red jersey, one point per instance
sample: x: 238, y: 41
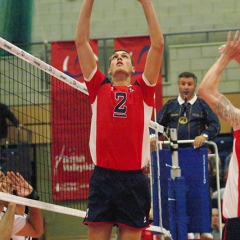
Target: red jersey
x: 231, y: 197
x: 119, y: 137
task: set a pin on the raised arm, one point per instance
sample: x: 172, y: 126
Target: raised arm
x: 84, y: 50
x: 7, y: 221
x: 208, y: 88
x: 154, y: 57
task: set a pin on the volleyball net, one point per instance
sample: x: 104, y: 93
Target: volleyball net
x: 50, y: 146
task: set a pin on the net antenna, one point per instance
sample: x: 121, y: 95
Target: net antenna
x: 36, y: 62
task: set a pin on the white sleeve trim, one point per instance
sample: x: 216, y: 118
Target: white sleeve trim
x: 147, y: 82
x: 91, y: 75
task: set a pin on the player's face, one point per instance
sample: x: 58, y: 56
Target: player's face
x: 187, y: 87
x: 121, y: 64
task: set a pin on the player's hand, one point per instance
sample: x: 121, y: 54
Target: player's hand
x: 19, y: 184
x: 199, y: 141
x: 232, y: 47
x: 236, y: 58
x: 5, y: 184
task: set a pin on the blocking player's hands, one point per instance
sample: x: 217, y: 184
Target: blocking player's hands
x: 20, y: 186
x: 5, y: 184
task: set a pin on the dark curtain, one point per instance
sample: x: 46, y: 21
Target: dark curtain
x: 16, y: 20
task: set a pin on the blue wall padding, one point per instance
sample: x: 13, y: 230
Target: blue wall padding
x: 194, y: 169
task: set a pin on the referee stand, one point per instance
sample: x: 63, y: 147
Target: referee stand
x: 184, y: 202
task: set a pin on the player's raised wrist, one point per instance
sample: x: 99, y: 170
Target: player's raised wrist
x: 33, y: 195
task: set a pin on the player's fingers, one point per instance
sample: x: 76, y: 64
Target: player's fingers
x: 229, y: 37
x: 20, y: 177
x: 236, y: 38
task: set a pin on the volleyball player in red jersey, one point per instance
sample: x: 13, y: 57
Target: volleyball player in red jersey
x: 208, y: 90
x: 119, y: 140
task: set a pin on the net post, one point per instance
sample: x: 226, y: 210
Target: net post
x: 175, y: 170
x: 177, y: 193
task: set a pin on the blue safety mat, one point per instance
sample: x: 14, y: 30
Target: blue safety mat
x: 194, y: 168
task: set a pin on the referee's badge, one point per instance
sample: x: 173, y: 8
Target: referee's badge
x: 183, y: 120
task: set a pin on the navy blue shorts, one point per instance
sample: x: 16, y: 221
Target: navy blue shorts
x: 118, y: 197
x: 231, y: 229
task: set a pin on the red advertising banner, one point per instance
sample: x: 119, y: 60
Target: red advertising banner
x: 138, y: 47
x: 71, y: 118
